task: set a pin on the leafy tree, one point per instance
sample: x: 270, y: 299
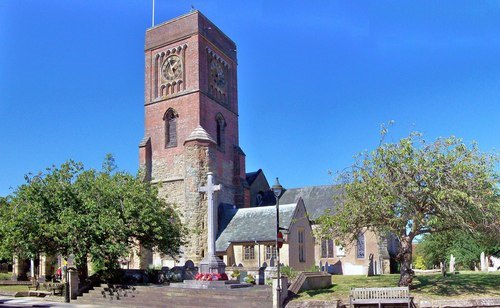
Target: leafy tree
x: 419, y: 263
x: 413, y: 187
x: 88, y: 214
x: 4, y: 210
x: 465, y: 246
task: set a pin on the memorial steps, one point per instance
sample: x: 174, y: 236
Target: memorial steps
x: 165, y: 296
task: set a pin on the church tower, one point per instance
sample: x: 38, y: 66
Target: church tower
x: 191, y: 120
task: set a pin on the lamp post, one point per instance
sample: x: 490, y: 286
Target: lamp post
x: 66, y: 281
x: 278, y: 191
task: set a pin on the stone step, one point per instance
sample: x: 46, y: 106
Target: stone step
x: 164, y: 296
x: 207, y: 293
x: 178, y: 302
x: 168, y: 296
x: 188, y: 302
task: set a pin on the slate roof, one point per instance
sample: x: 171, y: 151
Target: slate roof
x: 251, y: 176
x: 316, y: 198
x: 250, y: 224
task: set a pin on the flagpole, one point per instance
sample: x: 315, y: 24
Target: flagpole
x: 153, y: 17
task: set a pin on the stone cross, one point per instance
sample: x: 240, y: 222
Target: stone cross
x: 210, y: 190
x: 211, y: 263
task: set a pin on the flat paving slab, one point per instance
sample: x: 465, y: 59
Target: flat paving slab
x: 7, y: 301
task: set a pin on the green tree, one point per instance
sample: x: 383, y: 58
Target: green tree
x: 419, y: 262
x: 88, y: 214
x: 412, y: 187
x: 465, y: 246
x: 4, y: 212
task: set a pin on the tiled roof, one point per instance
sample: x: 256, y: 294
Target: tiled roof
x: 317, y: 199
x: 251, y: 224
x: 251, y: 176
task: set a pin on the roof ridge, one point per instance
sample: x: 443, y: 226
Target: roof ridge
x: 266, y: 206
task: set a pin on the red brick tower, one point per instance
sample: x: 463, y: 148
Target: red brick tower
x: 191, y: 120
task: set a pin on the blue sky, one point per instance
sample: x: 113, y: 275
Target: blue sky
x: 315, y: 81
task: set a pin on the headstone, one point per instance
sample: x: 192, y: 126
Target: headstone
x: 452, y: 264
x: 271, y: 262
x: 189, y: 264
x: 370, y: 267
x: 189, y: 270
x: 484, y: 267
x: 211, y: 263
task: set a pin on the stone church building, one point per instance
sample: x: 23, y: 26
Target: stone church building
x: 191, y: 128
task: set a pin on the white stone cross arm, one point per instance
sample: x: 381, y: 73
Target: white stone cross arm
x: 210, y: 188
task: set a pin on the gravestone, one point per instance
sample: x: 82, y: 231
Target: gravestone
x: 189, y: 270
x: 484, y: 266
x: 370, y: 267
x: 452, y: 264
x: 189, y: 264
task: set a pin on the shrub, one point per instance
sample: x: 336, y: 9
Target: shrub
x: 235, y: 274
x: 419, y: 263
x: 289, y: 272
x: 249, y: 279
x: 313, y: 268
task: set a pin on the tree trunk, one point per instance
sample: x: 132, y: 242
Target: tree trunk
x: 405, y: 258
x: 82, y: 268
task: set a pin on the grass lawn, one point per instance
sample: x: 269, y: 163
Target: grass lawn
x: 5, y: 276
x: 14, y: 288
x: 432, y: 286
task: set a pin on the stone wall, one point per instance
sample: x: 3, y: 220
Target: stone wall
x: 350, y: 264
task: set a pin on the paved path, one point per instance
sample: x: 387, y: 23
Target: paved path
x: 6, y: 301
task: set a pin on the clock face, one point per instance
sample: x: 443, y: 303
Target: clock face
x: 172, y: 68
x: 217, y: 74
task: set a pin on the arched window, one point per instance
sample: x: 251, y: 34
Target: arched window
x: 360, y: 246
x: 221, y: 127
x: 170, y: 119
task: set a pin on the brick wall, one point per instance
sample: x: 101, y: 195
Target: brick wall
x: 181, y: 170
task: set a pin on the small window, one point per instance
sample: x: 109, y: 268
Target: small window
x: 270, y: 252
x: 170, y: 119
x: 221, y: 128
x: 248, y: 252
x: 360, y: 246
x: 302, y: 255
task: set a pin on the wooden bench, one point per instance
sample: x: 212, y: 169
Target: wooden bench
x: 379, y: 296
